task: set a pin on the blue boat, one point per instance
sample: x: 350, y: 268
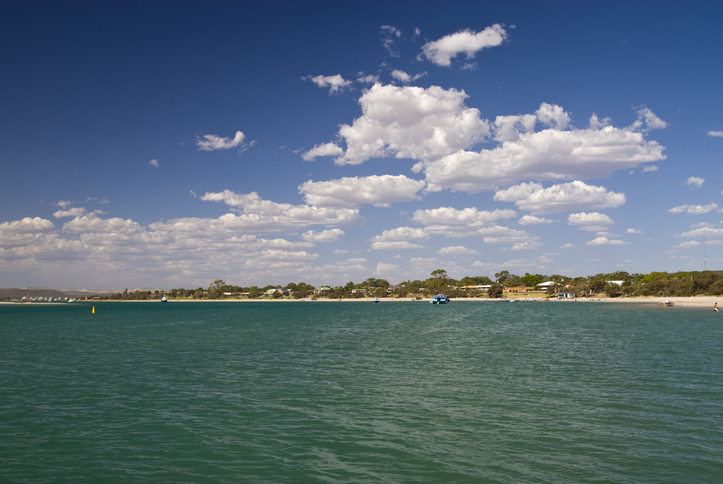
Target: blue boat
x: 440, y: 299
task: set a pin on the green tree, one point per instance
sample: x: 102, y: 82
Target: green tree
x: 495, y: 290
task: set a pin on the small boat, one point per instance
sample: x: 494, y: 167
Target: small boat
x: 163, y: 299
x: 668, y: 303
x: 376, y: 300
x: 440, y: 299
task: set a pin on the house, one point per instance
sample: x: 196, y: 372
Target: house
x: 519, y: 289
x: 479, y: 287
x: 545, y: 285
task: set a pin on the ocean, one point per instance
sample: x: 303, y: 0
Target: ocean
x: 307, y: 392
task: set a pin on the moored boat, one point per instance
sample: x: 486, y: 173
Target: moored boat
x: 440, y: 299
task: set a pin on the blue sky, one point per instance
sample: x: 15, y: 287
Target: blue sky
x: 168, y: 144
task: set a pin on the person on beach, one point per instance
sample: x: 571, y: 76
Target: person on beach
x: 715, y: 307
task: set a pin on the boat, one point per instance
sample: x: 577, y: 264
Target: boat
x: 440, y: 299
x: 164, y: 299
x: 668, y: 303
x: 376, y: 300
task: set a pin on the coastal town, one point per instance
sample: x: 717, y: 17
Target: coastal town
x: 617, y: 285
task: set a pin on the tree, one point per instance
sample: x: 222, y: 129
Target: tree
x: 439, y: 274
x: 495, y: 290
x: 502, y: 276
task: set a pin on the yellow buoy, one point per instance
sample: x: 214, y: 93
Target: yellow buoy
x: 93, y: 309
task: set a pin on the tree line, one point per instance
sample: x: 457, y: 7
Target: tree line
x: 678, y: 284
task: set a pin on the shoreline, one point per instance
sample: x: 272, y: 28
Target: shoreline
x: 694, y: 301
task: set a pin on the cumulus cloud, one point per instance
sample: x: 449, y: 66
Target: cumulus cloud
x: 705, y: 231
x: 687, y: 245
x: 401, y: 233
x: 568, y: 245
x: 385, y: 270
x: 470, y: 222
x: 649, y: 168
x: 694, y: 209
x: 605, y: 241
x: 331, y: 235
x: 264, y: 216
x: 695, y: 182
x: 155, y: 163
x: 399, y: 245
x: 634, y: 231
x: 380, y: 191
x: 532, y: 220
x: 647, y: 120
x: 716, y: 134
x: 334, y: 83
x: 71, y: 212
x: 411, y: 122
x: 551, y: 154
x: 469, y: 219
x: 469, y: 42
x: 591, y: 222
x: 457, y: 250
x: 576, y: 195
x: 324, y: 149
x: 211, y: 142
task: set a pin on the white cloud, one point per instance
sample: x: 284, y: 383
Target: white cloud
x: 648, y: 119
x: 687, y: 245
x: 368, y: 79
x: 325, y: 149
x: 341, y: 251
x: 532, y: 220
x: 401, y: 233
x: 526, y: 245
x: 334, y: 83
x: 211, y: 142
x: 71, y: 212
x: 411, y: 122
x: 634, y: 231
x: 716, y: 134
x: 591, y: 222
x: 27, y: 225
x: 568, y: 245
x: 547, y: 155
x: 575, y: 195
x: 386, y: 271
x: 470, y: 222
x: 605, y: 241
x: 695, y: 182
x: 331, y: 235
x: 406, y: 78
x: 263, y: 216
x: 650, y: 168
x: 707, y: 232
x: 694, y: 209
x: 458, y: 250
x: 284, y: 255
x: 400, y: 245
x: 380, y: 191
x: 154, y: 162
x: 469, y: 42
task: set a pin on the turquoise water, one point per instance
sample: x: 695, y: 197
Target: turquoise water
x: 360, y: 392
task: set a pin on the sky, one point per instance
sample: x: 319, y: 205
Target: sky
x: 167, y: 144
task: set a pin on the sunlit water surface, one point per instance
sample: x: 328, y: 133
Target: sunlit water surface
x: 360, y: 392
